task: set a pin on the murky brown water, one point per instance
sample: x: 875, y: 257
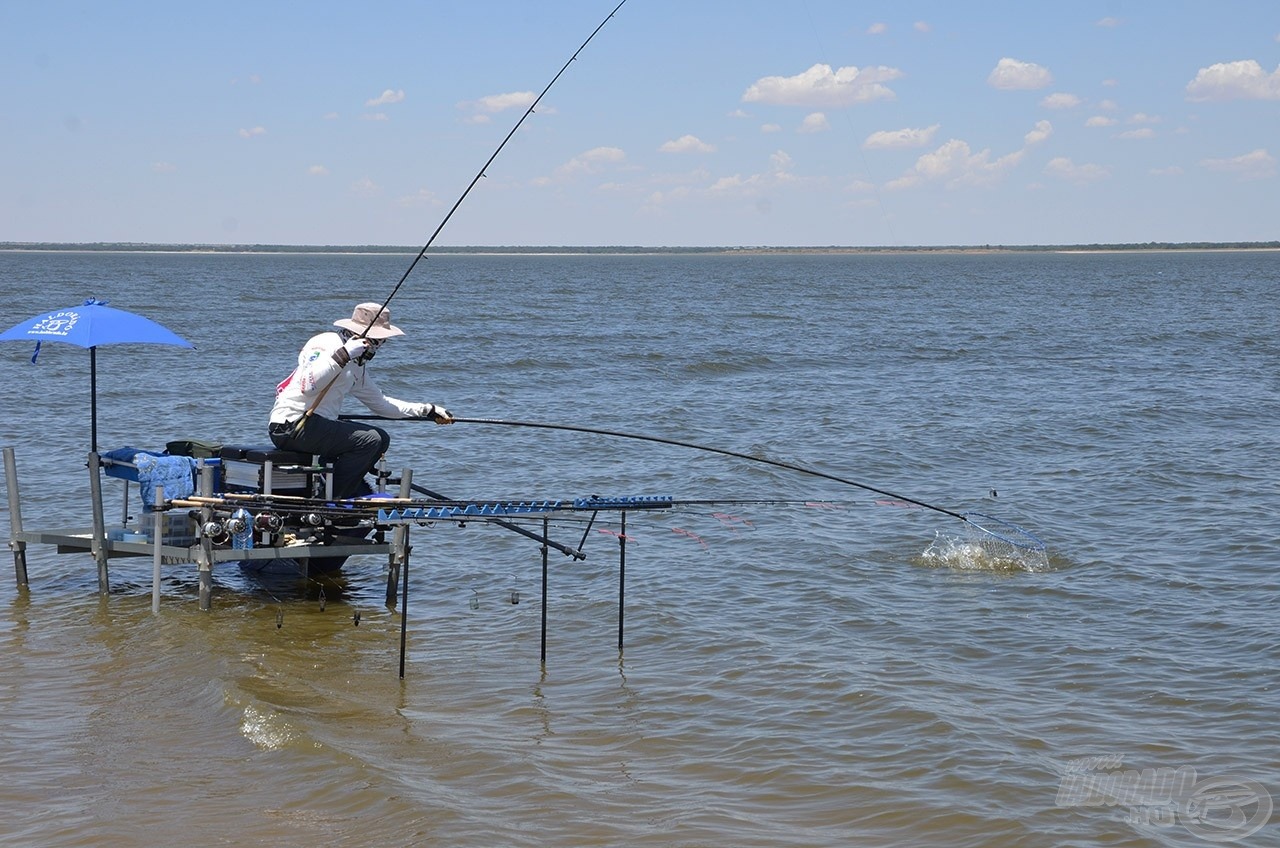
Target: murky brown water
x: 816, y: 677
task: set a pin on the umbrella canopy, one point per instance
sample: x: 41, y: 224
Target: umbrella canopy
x: 90, y: 325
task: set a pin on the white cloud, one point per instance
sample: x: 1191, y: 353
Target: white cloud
x: 821, y: 87
x: 250, y: 133
x: 495, y: 103
x: 1244, y: 80
x: 374, y: 116
x: 318, y: 171
x: 753, y: 185
x: 955, y: 165
x: 422, y: 197
x: 1100, y: 121
x: 752, y: 189
x: 330, y: 116
x: 366, y: 187
x: 164, y: 167
x: 1140, y: 133
x: 591, y: 161
x: 770, y: 128
x: 877, y: 29
x: 814, y: 122
x: 922, y: 26
x: 1258, y: 164
x: 1064, y: 169
x: 898, y: 139
x: 1143, y: 118
x: 1061, y: 101
x: 730, y: 183
x: 1041, y: 131
x: 386, y: 97
x: 1014, y: 75
x: 1109, y: 22
x: 685, y: 144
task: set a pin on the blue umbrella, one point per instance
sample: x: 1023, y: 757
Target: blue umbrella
x: 90, y: 325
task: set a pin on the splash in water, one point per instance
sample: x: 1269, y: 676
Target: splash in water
x: 989, y: 544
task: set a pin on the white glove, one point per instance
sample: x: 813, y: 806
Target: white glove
x: 438, y: 414
x: 356, y: 347
x: 350, y: 352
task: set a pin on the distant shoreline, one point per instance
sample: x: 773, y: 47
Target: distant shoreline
x: 130, y: 247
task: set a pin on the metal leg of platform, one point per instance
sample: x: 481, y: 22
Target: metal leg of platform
x: 546, y: 531
x: 204, y: 558
x: 16, y: 544
x: 157, y: 541
x: 204, y: 572
x: 98, y: 542
x: 404, y: 600
x: 399, y: 539
x: 622, y: 575
x: 205, y: 475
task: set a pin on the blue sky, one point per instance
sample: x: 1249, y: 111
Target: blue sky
x: 809, y: 122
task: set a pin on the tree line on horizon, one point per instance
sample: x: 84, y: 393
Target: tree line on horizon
x: 367, y: 248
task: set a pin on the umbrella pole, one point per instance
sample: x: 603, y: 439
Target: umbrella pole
x: 93, y: 397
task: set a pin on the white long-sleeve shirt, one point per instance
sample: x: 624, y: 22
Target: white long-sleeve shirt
x: 316, y: 370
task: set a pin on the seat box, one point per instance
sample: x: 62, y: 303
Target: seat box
x: 244, y: 469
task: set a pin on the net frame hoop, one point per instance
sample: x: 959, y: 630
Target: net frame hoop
x: 1032, y: 541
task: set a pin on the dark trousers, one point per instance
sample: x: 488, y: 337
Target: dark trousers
x: 353, y: 447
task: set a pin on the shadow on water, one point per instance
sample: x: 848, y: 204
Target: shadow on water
x: 289, y: 579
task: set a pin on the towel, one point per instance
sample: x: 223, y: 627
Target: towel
x: 175, y: 473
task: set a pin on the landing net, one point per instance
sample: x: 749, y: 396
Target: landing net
x: 989, y: 544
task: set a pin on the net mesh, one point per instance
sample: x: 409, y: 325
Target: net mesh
x: 989, y: 544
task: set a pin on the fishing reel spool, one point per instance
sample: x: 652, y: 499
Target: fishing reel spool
x: 215, y: 531
x: 268, y: 526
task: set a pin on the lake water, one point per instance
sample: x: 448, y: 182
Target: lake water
x: 795, y: 673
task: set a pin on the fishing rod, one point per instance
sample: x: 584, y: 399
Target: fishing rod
x: 481, y: 173
x: 474, y: 180
x: 576, y: 428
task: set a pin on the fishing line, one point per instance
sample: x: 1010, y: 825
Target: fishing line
x: 676, y: 442
x: 476, y: 179
x: 1002, y: 538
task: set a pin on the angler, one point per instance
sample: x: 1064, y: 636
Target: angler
x: 331, y: 366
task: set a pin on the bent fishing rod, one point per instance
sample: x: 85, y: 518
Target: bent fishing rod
x: 444, y: 221
x: 576, y: 428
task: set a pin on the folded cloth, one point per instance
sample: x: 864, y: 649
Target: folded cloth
x: 121, y: 463
x: 175, y: 473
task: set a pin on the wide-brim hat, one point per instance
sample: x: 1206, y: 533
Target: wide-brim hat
x: 363, y: 323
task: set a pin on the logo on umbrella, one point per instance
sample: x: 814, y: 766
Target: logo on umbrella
x: 57, y: 324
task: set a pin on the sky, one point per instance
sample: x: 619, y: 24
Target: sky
x: 691, y: 123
